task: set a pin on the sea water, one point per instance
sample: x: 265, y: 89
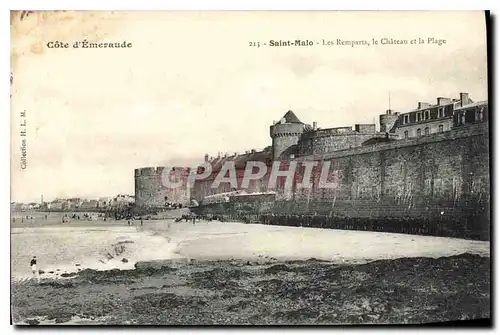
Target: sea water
x: 69, y: 248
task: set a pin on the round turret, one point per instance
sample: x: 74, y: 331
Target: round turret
x: 152, y: 191
x: 285, y: 134
x: 387, y: 121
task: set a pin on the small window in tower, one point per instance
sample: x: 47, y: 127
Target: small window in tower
x: 419, y: 132
x: 426, y: 131
x: 406, y: 134
x: 441, y: 128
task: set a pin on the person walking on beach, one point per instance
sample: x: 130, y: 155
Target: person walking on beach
x: 34, y: 269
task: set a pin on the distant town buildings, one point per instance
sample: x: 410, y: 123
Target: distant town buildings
x: 75, y: 204
x: 17, y: 206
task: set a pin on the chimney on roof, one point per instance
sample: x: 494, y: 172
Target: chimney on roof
x: 464, y: 98
x: 252, y: 151
x: 442, y: 101
x: 236, y: 154
x: 388, y: 111
x: 315, y: 125
x: 423, y: 104
x: 206, y: 157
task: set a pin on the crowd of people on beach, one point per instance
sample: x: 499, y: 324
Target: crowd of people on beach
x: 173, y: 205
x: 436, y: 226
x: 130, y: 221
x: 66, y: 217
x: 69, y: 217
x: 27, y: 218
x: 82, y: 217
x: 188, y: 218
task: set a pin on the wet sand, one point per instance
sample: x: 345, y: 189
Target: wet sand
x: 221, y: 241
x: 232, y: 273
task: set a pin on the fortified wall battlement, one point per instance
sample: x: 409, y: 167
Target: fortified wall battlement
x: 441, y: 180
x: 427, y: 163
x: 446, y: 173
x: 330, y: 140
x: 458, y: 132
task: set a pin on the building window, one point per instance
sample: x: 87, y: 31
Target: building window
x: 419, y: 132
x: 441, y: 128
x: 441, y: 112
x: 426, y: 115
x: 406, y: 134
x: 405, y: 119
x: 426, y: 131
x: 479, y: 114
x: 419, y: 116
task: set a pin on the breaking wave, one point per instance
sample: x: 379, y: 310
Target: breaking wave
x: 68, y: 250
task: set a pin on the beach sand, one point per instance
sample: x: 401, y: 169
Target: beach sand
x: 219, y: 241
x: 229, y: 273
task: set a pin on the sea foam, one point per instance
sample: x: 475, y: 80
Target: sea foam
x: 65, y: 250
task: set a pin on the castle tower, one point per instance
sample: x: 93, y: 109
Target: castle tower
x: 285, y: 133
x: 152, y: 190
x: 147, y: 187
x: 387, y: 121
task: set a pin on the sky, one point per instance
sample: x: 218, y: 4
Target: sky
x: 191, y: 84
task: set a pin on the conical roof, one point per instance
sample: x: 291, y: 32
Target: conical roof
x: 290, y: 117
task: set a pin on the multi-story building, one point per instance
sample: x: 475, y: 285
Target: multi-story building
x: 426, y: 119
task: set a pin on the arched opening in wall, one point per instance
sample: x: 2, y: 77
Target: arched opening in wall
x: 406, y: 134
x: 441, y: 128
x: 426, y: 131
x: 419, y: 132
